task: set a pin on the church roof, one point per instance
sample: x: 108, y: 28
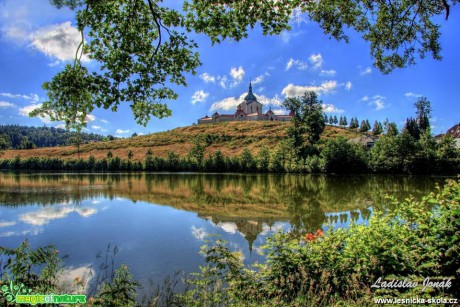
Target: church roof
x: 250, y: 96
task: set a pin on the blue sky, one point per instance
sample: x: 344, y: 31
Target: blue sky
x: 37, y: 40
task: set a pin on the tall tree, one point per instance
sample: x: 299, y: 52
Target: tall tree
x: 412, y: 128
x: 143, y: 49
x: 26, y: 143
x: 76, y: 141
x: 5, y: 142
x: 423, y: 107
x: 391, y: 128
x: 377, y: 129
x: 354, y: 123
x: 308, y: 117
x: 363, y: 127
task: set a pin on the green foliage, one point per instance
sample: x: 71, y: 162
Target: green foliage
x: 365, y: 126
x: 411, y: 127
x: 26, y: 144
x: 354, y: 124
x: 121, y: 291
x: 340, y: 156
x: 423, y: 107
x: 378, y: 128
x: 415, y: 240
x: 263, y: 159
x: 42, y: 136
x: 197, y: 152
x: 391, y: 128
x: 308, y: 118
x: 37, y: 269
x: 5, y: 142
x: 140, y: 52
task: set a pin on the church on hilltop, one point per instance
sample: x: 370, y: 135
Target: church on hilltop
x: 249, y: 109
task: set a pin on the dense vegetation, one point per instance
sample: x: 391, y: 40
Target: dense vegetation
x: 390, y: 154
x: 23, y: 137
x: 409, y: 240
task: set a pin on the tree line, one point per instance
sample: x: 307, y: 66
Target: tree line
x: 24, y: 137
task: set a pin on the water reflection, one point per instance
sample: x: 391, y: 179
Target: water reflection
x: 160, y: 221
x: 235, y: 203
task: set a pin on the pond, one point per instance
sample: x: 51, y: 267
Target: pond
x: 159, y: 221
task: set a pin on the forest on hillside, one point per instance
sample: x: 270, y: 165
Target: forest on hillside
x: 24, y: 137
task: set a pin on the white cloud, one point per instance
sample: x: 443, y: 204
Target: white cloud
x: 230, y: 103
x: 366, y: 71
x: 104, y: 121
x: 410, y: 94
x: 330, y: 108
x: 223, y: 81
x: 45, y: 215
x: 280, y: 111
x: 199, y: 233
x: 32, y: 97
x: 259, y: 79
x: 275, y: 101
x: 27, y: 109
x: 90, y: 118
x: 329, y: 73
x: 199, y: 96
x: 316, y: 60
x: 300, y: 65
x: 119, y: 131
x: 5, y: 104
x: 292, y: 90
x: 377, y: 101
x: 7, y: 224
x: 96, y: 127
x: 286, y: 36
x: 237, y: 73
x: 207, y: 78
x: 59, y: 41
x: 228, y: 227
x: 348, y: 85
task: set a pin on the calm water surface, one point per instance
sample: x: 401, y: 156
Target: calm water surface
x: 160, y: 221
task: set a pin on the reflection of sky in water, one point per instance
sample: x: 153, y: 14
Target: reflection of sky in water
x: 154, y: 241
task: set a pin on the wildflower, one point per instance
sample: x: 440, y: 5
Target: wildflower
x: 319, y: 233
x: 312, y: 237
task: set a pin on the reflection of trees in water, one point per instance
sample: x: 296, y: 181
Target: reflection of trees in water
x: 301, y: 199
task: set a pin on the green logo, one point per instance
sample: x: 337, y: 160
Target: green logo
x: 12, y: 291
x: 22, y: 295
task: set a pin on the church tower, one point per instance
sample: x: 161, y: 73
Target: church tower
x: 250, y: 105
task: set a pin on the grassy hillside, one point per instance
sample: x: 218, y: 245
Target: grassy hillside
x: 230, y: 138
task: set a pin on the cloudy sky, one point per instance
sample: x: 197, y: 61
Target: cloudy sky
x: 37, y: 40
